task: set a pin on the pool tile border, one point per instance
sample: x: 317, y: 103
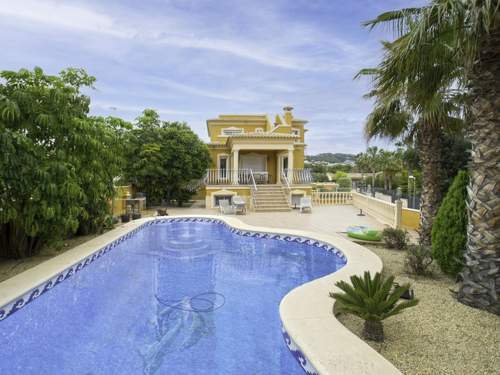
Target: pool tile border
x: 33, y: 293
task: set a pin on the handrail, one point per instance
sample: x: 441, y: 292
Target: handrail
x: 286, y: 186
x: 253, y: 189
x: 252, y: 179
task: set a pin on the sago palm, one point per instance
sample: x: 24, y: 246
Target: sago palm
x: 462, y: 39
x: 372, y: 299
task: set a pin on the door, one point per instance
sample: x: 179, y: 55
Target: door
x: 285, y: 165
x: 223, y: 160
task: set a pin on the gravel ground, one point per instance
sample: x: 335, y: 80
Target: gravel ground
x: 439, y: 336
x: 11, y: 267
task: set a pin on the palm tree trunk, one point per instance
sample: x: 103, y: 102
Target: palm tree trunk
x: 481, y: 274
x: 430, y: 139
x: 373, y: 330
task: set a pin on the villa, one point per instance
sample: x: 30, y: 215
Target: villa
x: 259, y: 159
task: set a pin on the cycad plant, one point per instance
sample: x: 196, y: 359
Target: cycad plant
x: 372, y: 299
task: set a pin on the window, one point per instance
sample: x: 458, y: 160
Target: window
x: 219, y: 198
x: 296, y: 132
x: 259, y: 130
x: 231, y: 131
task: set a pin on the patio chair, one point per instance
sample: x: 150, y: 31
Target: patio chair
x: 226, y: 208
x: 305, y: 204
x: 240, y: 205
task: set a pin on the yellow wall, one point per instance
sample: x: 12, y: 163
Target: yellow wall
x: 283, y: 129
x: 243, y: 191
x: 214, y: 152
x: 298, y: 157
x: 215, y: 129
x: 410, y: 219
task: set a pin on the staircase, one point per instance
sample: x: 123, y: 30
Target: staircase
x: 271, y: 198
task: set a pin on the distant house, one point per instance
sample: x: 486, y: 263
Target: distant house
x: 254, y: 154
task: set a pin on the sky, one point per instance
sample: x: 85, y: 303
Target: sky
x: 195, y: 59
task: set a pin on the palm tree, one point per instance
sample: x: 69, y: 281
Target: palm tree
x: 411, y: 108
x: 390, y: 163
x: 369, y: 161
x: 372, y: 299
x: 455, y: 45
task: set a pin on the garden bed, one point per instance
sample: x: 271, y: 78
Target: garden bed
x: 439, y: 335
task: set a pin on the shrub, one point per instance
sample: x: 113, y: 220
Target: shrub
x: 395, y: 238
x: 344, y: 184
x: 418, y: 259
x: 449, y: 229
x: 372, y: 299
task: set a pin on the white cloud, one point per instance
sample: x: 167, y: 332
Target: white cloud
x: 78, y: 18
x: 114, y: 107
x: 216, y: 93
x: 62, y: 15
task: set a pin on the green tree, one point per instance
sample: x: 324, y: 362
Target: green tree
x: 51, y: 155
x: 102, y: 162
x: 419, y: 108
x: 369, y: 161
x: 390, y: 164
x: 164, y: 158
x: 449, y: 232
x: 455, y: 45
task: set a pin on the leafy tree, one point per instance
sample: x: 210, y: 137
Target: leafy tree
x: 50, y: 179
x: 339, y: 174
x: 453, y: 47
x: 372, y: 299
x: 449, y: 233
x: 164, y: 158
x: 343, y: 181
x: 102, y: 162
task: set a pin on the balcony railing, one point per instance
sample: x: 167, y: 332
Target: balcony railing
x: 246, y: 177
x: 299, y: 176
x: 228, y: 177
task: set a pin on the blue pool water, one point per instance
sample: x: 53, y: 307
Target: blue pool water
x: 175, y: 298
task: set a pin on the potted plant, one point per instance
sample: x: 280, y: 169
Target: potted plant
x: 372, y: 299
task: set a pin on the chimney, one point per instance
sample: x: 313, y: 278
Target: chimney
x: 288, y: 114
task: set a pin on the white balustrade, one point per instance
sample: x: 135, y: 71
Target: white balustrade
x: 331, y: 198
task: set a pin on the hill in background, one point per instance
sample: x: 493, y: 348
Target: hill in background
x: 331, y: 158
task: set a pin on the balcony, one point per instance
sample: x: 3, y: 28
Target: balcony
x: 249, y: 177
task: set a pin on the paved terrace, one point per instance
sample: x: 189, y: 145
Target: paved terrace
x: 322, y: 219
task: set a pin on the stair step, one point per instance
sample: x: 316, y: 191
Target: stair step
x: 272, y: 209
x: 272, y: 204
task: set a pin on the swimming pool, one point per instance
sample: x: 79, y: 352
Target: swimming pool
x: 181, y: 296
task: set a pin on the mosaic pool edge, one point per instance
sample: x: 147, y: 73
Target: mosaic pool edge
x: 303, y: 361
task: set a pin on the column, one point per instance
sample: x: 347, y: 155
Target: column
x: 278, y: 168
x: 290, y: 167
x: 235, y: 166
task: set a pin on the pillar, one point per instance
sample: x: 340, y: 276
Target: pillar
x: 235, y: 166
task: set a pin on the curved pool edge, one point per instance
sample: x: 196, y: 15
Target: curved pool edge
x: 316, y: 338
x: 325, y: 345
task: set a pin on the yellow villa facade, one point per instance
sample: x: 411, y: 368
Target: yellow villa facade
x: 258, y: 158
